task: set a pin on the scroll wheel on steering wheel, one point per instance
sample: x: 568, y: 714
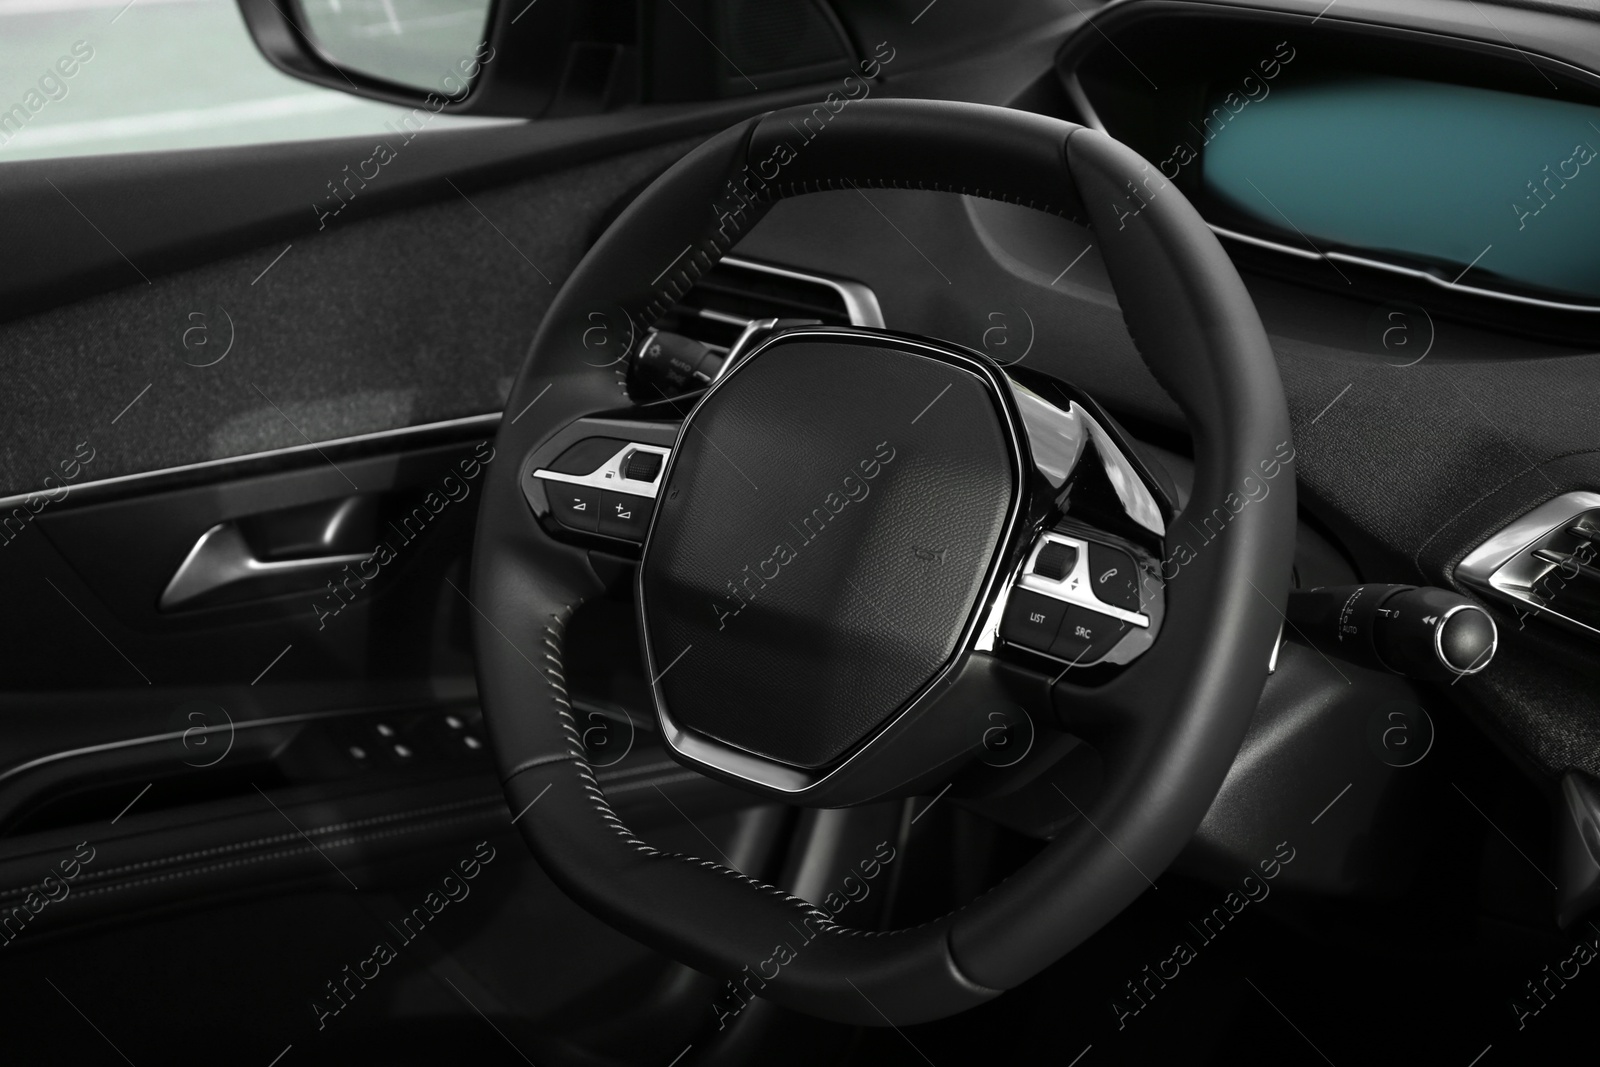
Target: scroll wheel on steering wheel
x: 642, y: 466
x: 1055, y: 561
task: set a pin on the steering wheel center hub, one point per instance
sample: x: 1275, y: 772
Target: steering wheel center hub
x: 830, y: 517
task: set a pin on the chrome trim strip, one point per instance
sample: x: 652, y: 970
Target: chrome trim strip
x: 490, y: 419
x: 719, y: 316
x: 1434, y: 279
x: 988, y: 638
x: 1261, y: 242
x: 1133, y: 643
x: 1135, y: 496
x: 1068, y: 590
x: 1438, y: 640
x: 1480, y: 565
x: 1335, y: 257
x: 609, y: 474
x: 221, y: 558
x: 1058, y: 435
x: 752, y: 329
x: 1497, y: 566
x: 860, y: 302
x: 783, y: 778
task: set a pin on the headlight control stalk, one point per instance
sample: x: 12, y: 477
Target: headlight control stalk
x: 1418, y: 631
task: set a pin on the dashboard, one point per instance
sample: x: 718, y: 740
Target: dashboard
x: 1439, y: 386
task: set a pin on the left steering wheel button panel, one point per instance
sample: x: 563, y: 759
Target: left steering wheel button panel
x: 601, y: 485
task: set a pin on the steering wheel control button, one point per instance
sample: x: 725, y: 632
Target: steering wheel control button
x: 1085, y: 636
x: 624, y: 516
x: 577, y: 507
x: 1031, y: 620
x: 1055, y: 560
x: 642, y: 466
x: 1113, y: 577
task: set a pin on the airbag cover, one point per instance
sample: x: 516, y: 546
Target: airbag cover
x: 829, y: 518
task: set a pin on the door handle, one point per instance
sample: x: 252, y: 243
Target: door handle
x: 222, y: 569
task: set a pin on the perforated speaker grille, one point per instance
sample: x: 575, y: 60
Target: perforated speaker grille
x: 763, y: 36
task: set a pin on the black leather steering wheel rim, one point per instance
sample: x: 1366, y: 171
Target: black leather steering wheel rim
x: 1174, y: 722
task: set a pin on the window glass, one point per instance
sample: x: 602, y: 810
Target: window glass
x: 84, y: 77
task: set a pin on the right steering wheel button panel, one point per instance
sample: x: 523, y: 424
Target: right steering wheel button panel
x: 1074, y: 600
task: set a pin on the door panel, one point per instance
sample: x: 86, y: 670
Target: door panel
x: 248, y: 787
x: 91, y: 224
x: 416, y: 317
x: 324, y: 728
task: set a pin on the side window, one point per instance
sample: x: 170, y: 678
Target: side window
x: 86, y: 77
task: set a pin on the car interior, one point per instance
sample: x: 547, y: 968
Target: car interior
x: 710, y: 532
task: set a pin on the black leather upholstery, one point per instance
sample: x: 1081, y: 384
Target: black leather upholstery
x: 1169, y: 727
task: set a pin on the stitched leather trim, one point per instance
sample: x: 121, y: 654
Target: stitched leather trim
x: 554, y: 635
x: 540, y: 761
x: 647, y: 783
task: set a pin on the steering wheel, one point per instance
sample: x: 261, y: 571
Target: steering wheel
x: 862, y: 540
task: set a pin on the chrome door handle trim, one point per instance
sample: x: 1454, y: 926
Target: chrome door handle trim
x: 221, y: 558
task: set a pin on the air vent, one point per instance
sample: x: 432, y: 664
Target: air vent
x: 1547, y: 561
x: 738, y: 292
x: 691, y: 342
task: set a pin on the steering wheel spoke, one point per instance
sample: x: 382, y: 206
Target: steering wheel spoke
x: 1087, y: 590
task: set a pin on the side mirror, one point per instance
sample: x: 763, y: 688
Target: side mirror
x: 464, y: 57
x: 551, y: 58
x: 428, y: 45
